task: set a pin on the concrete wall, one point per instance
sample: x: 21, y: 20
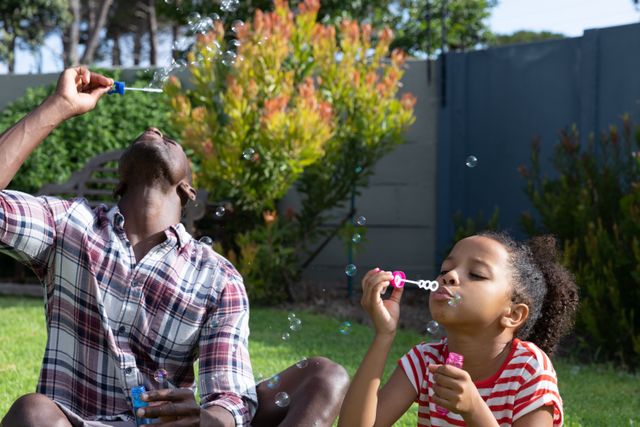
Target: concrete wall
x: 399, y: 204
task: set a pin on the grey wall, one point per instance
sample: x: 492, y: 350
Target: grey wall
x: 399, y: 204
x: 498, y: 100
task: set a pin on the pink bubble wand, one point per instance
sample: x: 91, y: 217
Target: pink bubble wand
x: 399, y: 279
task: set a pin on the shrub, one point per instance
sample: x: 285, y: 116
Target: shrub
x: 593, y: 207
x: 280, y: 111
x: 114, y: 123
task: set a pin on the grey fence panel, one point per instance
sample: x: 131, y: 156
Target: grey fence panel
x: 498, y: 100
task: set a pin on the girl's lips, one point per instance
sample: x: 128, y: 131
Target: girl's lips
x: 442, y: 294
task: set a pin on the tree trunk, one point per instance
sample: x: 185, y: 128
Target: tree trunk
x: 71, y: 35
x: 116, y: 53
x: 137, y: 46
x: 153, y: 32
x: 174, y: 37
x: 11, y: 53
x: 94, y: 33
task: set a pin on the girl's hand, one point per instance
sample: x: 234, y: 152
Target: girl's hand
x: 454, y: 390
x: 384, y: 313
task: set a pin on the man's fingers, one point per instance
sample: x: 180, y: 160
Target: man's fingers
x: 169, y: 395
x: 100, y: 80
x: 168, y: 409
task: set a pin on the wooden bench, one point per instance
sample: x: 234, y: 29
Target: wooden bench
x: 99, y: 177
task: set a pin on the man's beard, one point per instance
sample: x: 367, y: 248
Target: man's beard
x: 145, y: 163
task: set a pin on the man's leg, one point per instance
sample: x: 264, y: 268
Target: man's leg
x: 316, y: 392
x: 35, y: 410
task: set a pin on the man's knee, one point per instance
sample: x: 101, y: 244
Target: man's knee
x: 329, y: 375
x: 34, y: 410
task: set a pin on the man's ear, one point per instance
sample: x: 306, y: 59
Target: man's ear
x: 119, y: 190
x: 515, y: 315
x: 186, y: 192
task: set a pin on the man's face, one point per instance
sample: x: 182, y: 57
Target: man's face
x: 153, y: 158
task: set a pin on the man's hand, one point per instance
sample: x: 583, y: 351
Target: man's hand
x: 174, y: 407
x: 79, y: 90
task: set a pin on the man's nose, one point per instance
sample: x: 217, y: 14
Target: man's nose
x: 156, y: 130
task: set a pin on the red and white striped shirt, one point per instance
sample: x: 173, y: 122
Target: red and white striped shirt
x: 525, y: 382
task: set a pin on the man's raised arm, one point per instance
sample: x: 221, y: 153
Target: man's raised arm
x: 77, y: 92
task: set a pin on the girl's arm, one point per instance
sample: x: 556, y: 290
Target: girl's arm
x: 542, y: 417
x: 361, y: 406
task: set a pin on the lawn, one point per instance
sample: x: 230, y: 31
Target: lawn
x: 594, y: 395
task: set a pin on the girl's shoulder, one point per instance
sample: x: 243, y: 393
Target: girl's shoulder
x: 432, y: 352
x: 530, y: 357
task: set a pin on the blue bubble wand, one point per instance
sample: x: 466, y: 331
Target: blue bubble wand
x: 119, y: 88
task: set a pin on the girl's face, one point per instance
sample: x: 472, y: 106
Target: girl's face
x: 479, y: 272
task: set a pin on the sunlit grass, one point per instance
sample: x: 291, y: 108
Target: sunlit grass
x: 598, y: 395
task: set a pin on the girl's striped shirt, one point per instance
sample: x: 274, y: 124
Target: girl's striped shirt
x: 525, y: 382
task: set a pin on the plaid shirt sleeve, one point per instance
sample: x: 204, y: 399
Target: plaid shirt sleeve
x: 28, y: 227
x: 226, y: 377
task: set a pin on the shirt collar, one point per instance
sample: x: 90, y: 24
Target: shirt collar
x: 177, y: 231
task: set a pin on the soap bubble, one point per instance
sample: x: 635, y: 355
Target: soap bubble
x: 236, y: 43
x: 455, y: 300
x: 206, y: 240
x: 350, y: 270
x: 345, y: 328
x: 291, y: 316
x: 273, y: 382
x: 214, y: 17
x: 182, y: 44
x: 361, y: 220
x: 193, y: 18
x: 472, y: 161
x: 248, y: 153
x: 160, y: 375
x: 433, y: 327
x: 356, y: 238
x: 358, y: 169
x: 295, y: 325
x: 229, y: 58
x: 237, y: 25
x: 282, y: 399
x: 203, y: 25
x: 285, y: 336
x: 220, y: 211
x: 302, y: 363
x: 229, y: 5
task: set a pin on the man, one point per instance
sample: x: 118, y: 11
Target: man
x: 129, y: 291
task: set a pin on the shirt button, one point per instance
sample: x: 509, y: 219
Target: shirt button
x: 122, y: 330
x: 135, y: 283
x: 128, y: 371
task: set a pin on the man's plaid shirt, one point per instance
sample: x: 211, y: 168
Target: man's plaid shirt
x: 112, y: 321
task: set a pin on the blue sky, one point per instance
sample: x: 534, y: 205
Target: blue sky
x: 570, y: 17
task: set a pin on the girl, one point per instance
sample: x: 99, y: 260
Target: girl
x: 508, y: 293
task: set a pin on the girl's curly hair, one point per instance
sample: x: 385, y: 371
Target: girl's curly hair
x: 544, y: 285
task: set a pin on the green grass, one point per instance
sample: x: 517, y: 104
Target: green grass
x: 594, y: 395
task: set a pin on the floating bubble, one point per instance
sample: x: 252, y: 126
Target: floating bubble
x: 345, y: 328
x: 291, y: 316
x: 361, y: 221
x: 248, y: 153
x: 286, y: 336
x: 350, y: 270
x: 182, y: 44
x: 358, y: 169
x: 433, y: 327
x: 193, y: 18
x: 236, y: 44
x: 229, y: 5
x: 229, y: 58
x: 575, y: 370
x: 456, y: 300
x: 237, y: 26
x: 356, y: 238
x: 206, y: 240
x: 203, y: 25
x: 471, y: 162
x: 160, y: 375
x: 295, y: 325
x: 282, y: 399
x: 302, y: 363
x: 273, y: 382
x: 220, y: 211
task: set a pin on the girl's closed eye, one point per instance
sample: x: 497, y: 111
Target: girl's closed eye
x: 477, y: 276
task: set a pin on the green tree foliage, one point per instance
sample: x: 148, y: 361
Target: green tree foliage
x: 284, y: 111
x: 593, y: 207
x: 114, y: 123
x: 523, y: 36
x: 26, y: 23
